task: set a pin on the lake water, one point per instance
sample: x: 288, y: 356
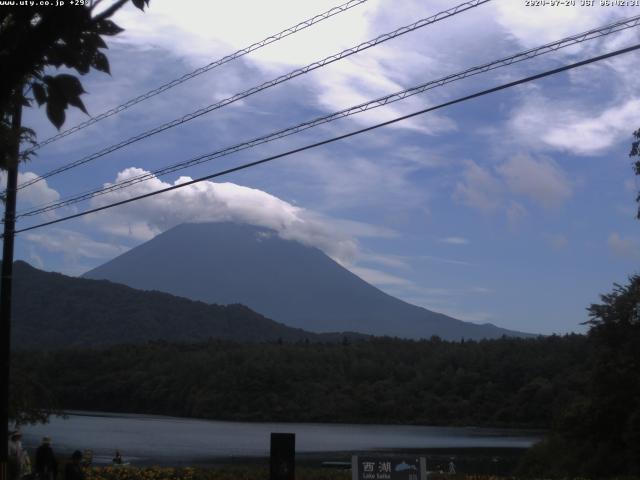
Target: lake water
x: 148, y: 438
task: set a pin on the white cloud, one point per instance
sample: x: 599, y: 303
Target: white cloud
x: 405, y: 262
x: 542, y: 179
x: 449, y: 292
x: 587, y: 123
x: 393, y: 261
x: 449, y: 308
x: 598, y: 102
x: 583, y: 133
x: 202, y: 33
x: 623, y: 246
x: 478, y: 189
x: 205, y: 30
x: 217, y: 202
x: 377, y: 277
x: 467, y: 316
x: 72, y: 244
x: 515, y: 213
x: 535, y: 26
x: 346, y: 84
x: 36, y: 260
x: 486, y: 189
x: 483, y: 290
x: 354, y: 180
x: 450, y: 261
x: 34, y: 195
x: 557, y: 241
x: 419, y: 156
x: 455, y: 240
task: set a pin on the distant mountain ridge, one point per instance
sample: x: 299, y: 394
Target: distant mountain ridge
x: 300, y: 286
x: 53, y: 311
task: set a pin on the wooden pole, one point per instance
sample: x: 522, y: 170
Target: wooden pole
x: 5, y: 287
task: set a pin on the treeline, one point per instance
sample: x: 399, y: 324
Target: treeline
x: 506, y: 382
x: 80, y: 313
x: 598, y: 434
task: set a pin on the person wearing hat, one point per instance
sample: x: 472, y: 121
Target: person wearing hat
x: 46, y: 463
x: 73, y: 471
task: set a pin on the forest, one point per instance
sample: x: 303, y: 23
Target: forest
x: 582, y: 389
x: 505, y: 382
x: 73, y: 312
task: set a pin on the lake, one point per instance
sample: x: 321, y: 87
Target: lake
x: 170, y: 440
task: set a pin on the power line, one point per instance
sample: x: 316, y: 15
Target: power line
x: 283, y: 78
x: 519, y: 57
x: 340, y: 137
x: 199, y: 71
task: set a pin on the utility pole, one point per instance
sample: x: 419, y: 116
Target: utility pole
x: 6, y: 283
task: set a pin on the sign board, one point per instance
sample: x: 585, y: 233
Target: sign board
x: 283, y: 456
x: 388, y: 467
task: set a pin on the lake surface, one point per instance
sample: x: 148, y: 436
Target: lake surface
x: 149, y: 438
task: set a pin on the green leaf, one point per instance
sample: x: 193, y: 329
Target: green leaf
x: 55, y: 111
x: 82, y: 66
x: 77, y: 102
x: 94, y: 40
x: 39, y: 93
x: 64, y: 90
x: 69, y: 85
x: 63, y: 54
x: 107, y: 27
x: 140, y: 3
x: 100, y: 62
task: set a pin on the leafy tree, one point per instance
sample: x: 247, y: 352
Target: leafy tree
x: 614, y: 411
x: 369, y: 381
x: 598, y: 434
x: 37, y: 42
x: 36, y: 39
x: 635, y: 152
x: 32, y: 399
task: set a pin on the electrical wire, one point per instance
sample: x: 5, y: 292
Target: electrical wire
x: 504, y: 86
x: 199, y: 71
x: 283, y: 78
x: 388, y: 99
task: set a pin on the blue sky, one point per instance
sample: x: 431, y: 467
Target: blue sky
x: 515, y: 208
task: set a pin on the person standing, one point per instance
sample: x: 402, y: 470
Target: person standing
x: 73, y: 470
x: 46, y: 463
x: 16, y: 455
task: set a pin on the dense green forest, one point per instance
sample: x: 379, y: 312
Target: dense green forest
x: 506, y: 382
x: 72, y: 312
x: 584, y: 389
x: 598, y: 433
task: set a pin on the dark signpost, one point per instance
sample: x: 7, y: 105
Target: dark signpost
x: 283, y: 456
x: 388, y: 467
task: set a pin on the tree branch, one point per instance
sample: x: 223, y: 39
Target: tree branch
x: 110, y: 11
x: 94, y: 4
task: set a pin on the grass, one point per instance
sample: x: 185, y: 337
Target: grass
x: 249, y: 473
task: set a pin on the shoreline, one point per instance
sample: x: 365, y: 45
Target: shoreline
x: 523, y: 429
x: 477, y: 460
x: 147, y: 441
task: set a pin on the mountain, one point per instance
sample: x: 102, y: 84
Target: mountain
x: 52, y: 311
x: 227, y: 263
